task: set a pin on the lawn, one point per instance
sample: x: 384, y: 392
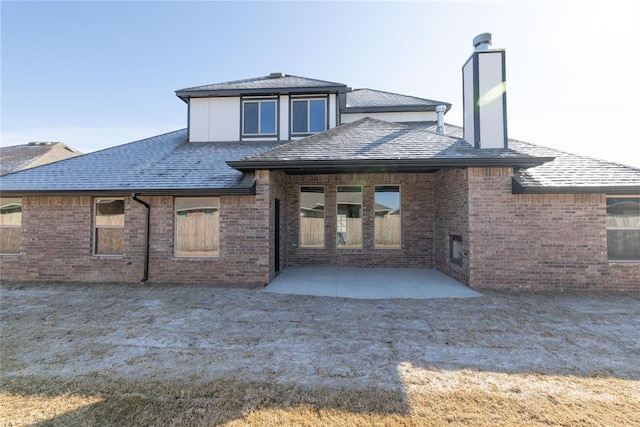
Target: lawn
x: 75, y: 354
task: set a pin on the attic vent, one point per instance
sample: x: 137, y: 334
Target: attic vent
x: 276, y: 75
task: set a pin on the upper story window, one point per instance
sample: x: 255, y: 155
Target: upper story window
x: 308, y: 116
x: 259, y: 117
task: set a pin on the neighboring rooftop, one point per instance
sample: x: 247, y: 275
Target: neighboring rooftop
x: 275, y: 83
x: 369, y: 101
x: 25, y: 156
x: 165, y: 162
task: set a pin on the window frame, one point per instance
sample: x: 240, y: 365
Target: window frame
x: 96, y: 227
x: 175, y: 227
x: 345, y: 247
x: 13, y: 226
x: 324, y: 217
x: 308, y: 100
x: 259, y: 101
x: 375, y: 231
x: 616, y: 228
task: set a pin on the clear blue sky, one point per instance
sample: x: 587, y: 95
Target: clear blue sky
x: 98, y: 74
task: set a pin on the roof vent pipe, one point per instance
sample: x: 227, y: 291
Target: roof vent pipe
x: 440, y: 110
x: 482, y: 42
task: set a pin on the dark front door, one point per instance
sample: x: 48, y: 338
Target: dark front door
x: 277, y: 235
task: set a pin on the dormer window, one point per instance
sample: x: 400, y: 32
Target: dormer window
x: 308, y: 116
x: 259, y: 117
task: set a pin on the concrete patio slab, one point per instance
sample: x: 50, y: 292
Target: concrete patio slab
x: 369, y: 283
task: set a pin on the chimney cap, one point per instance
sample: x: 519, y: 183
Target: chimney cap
x: 482, y: 41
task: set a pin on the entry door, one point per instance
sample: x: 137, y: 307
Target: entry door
x: 277, y: 234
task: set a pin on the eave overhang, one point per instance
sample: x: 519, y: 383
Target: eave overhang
x: 234, y: 191
x: 382, y: 165
x: 185, y: 95
x: 518, y: 188
x: 394, y: 109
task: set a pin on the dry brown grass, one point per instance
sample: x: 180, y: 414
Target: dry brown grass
x: 77, y: 355
x: 430, y: 398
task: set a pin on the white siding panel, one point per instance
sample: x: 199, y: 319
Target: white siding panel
x: 284, y: 117
x: 490, y: 103
x: 412, y: 116
x: 198, y: 119
x: 333, y: 104
x: 467, y: 97
x: 224, y: 119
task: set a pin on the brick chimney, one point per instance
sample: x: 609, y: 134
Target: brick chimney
x: 484, y: 96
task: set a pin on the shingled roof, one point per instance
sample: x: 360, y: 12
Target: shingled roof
x: 275, y: 83
x: 369, y: 101
x: 164, y: 164
x: 370, y: 144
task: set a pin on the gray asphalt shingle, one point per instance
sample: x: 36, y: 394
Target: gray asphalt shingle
x: 369, y: 98
x: 164, y: 162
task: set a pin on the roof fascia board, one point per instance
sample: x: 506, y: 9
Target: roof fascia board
x: 393, y: 109
x: 186, y: 94
x: 386, y: 163
x: 518, y: 188
x: 141, y: 192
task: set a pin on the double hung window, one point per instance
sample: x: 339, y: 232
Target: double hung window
x: 308, y: 116
x: 623, y: 228
x: 109, y: 227
x: 312, y: 217
x: 10, y: 225
x: 349, y: 216
x: 387, y: 216
x: 259, y: 117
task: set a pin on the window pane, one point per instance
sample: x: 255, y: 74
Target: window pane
x: 110, y: 212
x: 268, y: 117
x: 349, y: 218
x: 299, y: 116
x: 312, y: 217
x: 250, y: 117
x: 623, y: 228
x: 317, y: 115
x: 109, y: 241
x: 387, y: 216
x: 623, y: 245
x: 197, y: 226
x: 109, y: 223
x: 10, y: 225
x: 623, y: 212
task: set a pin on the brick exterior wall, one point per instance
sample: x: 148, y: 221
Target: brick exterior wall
x: 417, y: 218
x: 452, y: 218
x: 538, y: 241
x: 57, y: 239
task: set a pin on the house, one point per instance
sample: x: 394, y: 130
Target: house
x: 281, y: 170
x: 19, y: 157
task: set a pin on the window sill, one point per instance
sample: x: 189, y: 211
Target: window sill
x: 623, y: 261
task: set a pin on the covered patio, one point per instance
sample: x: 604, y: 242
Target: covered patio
x: 369, y: 283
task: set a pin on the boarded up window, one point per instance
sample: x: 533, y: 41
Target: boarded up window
x: 109, y: 227
x: 197, y: 227
x: 10, y: 225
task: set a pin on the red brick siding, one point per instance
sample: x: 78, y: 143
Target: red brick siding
x: 57, y: 243
x: 451, y: 218
x: 537, y: 241
x: 417, y: 214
